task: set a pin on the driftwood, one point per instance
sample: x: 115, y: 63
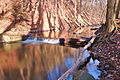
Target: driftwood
x: 78, y: 62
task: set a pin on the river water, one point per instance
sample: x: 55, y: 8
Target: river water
x: 39, y: 59
x: 35, y: 62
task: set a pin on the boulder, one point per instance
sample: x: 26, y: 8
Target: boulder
x: 83, y: 75
x: 11, y: 38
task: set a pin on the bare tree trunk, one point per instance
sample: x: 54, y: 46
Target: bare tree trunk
x: 79, y: 6
x: 118, y: 11
x: 75, y: 8
x: 111, y: 15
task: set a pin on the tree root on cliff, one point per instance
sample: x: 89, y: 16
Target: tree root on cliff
x: 100, y: 38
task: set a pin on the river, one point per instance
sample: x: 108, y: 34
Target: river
x: 38, y: 59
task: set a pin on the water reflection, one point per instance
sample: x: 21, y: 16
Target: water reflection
x: 20, y: 61
x: 34, y: 62
x: 56, y: 72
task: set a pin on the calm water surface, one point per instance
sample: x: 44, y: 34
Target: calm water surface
x: 35, y: 62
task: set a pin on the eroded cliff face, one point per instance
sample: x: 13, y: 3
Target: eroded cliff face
x: 45, y: 15
x: 5, y: 14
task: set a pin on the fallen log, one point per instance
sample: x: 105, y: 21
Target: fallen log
x: 78, y: 62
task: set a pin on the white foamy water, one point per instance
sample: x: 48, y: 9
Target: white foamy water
x: 34, y: 41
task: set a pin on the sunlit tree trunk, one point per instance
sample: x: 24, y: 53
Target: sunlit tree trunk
x: 111, y: 15
x: 79, y: 6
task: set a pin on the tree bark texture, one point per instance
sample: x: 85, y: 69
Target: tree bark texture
x: 111, y: 14
x: 118, y: 11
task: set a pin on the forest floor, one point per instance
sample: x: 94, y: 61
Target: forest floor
x: 108, y: 53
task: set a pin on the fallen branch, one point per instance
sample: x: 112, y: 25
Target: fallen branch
x: 78, y: 62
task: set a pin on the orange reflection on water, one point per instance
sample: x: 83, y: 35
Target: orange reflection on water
x: 34, y: 62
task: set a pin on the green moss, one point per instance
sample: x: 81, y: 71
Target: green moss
x: 1, y: 18
x: 1, y: 14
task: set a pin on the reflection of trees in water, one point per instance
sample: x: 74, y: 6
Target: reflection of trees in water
x: 30, y: 62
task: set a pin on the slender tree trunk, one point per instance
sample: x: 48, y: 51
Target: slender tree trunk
x: 75, y: 8
x: 79, y: 6
x: 111, y: 15
x: 118, y: 11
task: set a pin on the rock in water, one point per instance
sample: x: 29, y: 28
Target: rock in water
x: 11, y: 38
x: 83, y: 75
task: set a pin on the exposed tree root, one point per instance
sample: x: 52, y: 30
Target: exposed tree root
x: 103, y: 35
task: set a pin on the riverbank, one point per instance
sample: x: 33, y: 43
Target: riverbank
x: 108, y: 54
